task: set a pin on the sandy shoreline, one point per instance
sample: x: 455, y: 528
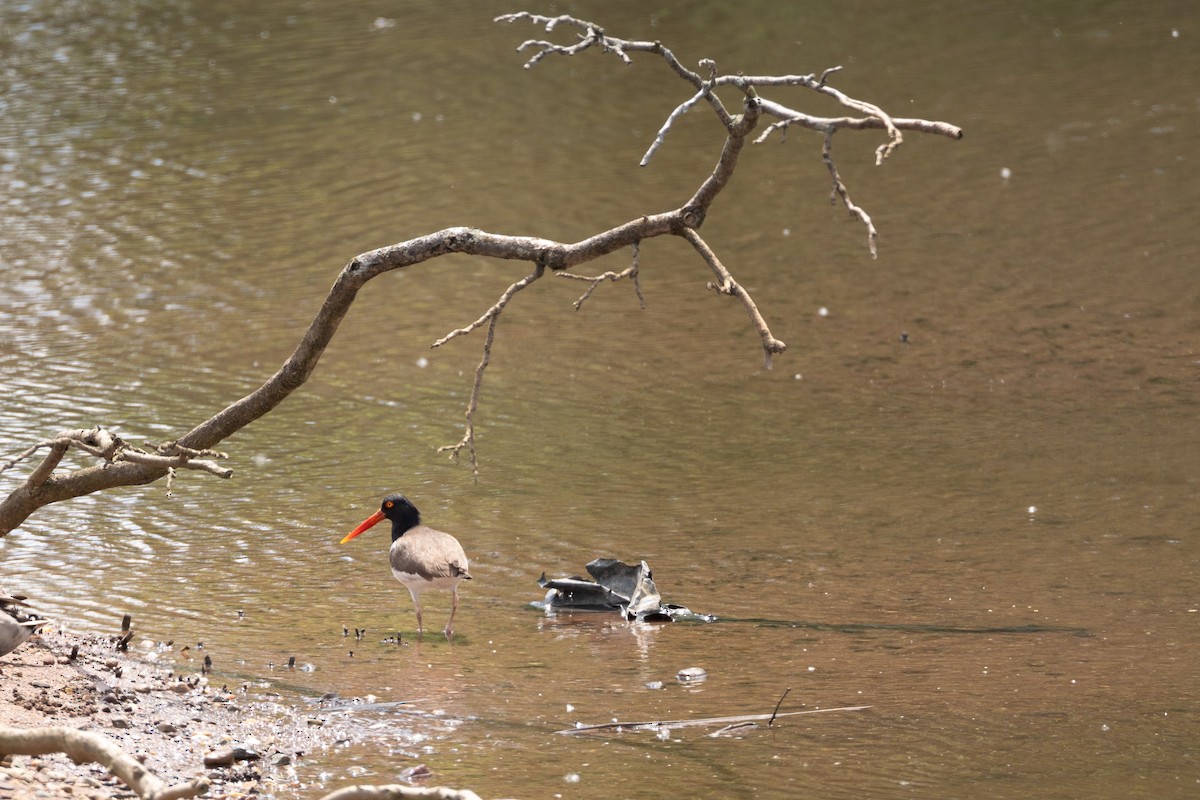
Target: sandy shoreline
x: 160, y: 710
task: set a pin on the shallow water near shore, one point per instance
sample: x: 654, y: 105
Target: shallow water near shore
x: 964, y: 497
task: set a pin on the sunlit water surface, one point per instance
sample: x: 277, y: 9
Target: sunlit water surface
x: 986, y: 533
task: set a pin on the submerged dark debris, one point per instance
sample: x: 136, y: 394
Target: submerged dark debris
x: 615, y: 586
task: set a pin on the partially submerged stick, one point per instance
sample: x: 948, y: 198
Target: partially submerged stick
x: 699, y: 723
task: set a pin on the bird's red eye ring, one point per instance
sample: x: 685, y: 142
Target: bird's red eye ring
x: 388, y: 504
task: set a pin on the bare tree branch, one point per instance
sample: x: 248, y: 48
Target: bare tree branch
x: 819, y: 85
x: 104, y: 445
x: 788, y: 116
x: 95, y: 441
x: 124, y: 465
x: 661, y: 724
x: 594, y: 35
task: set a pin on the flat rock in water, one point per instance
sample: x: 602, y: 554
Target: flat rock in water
x: 691, y: 675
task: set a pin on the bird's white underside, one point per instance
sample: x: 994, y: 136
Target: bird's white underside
x: 417, y: 584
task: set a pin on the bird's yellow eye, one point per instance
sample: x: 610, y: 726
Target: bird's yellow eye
x: 388, y: 504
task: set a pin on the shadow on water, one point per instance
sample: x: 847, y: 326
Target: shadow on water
x: 906, y: 627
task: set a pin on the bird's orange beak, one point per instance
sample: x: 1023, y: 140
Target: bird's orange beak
x: 369, y: 522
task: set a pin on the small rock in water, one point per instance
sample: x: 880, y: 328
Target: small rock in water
x: 691, y: 675
x: 654, y: 685
x: 419, y: 772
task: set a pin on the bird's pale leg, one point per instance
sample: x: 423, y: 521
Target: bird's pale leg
x: 417, y: 604
x: 449, y: 631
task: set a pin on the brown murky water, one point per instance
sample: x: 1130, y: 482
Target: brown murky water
x: 988, y: 534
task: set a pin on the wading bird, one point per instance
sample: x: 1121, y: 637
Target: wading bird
x: 422, y: 558
x: 16, y: 625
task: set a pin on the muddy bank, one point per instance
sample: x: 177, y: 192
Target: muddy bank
x: 162, y: 709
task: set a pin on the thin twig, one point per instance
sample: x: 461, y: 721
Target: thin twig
x: 727, y: 285
x: 468, y: 439
x: 492, y: 315
x: 630, y: 272
x: 495, y: 310
x: 839, y: 190
x: 679, y: 111
x: 775, y: 713
x: 594, y: 35
x: 895, y: 138
x: 825, y: 75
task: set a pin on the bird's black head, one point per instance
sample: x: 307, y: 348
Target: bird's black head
x: 403, y: 514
